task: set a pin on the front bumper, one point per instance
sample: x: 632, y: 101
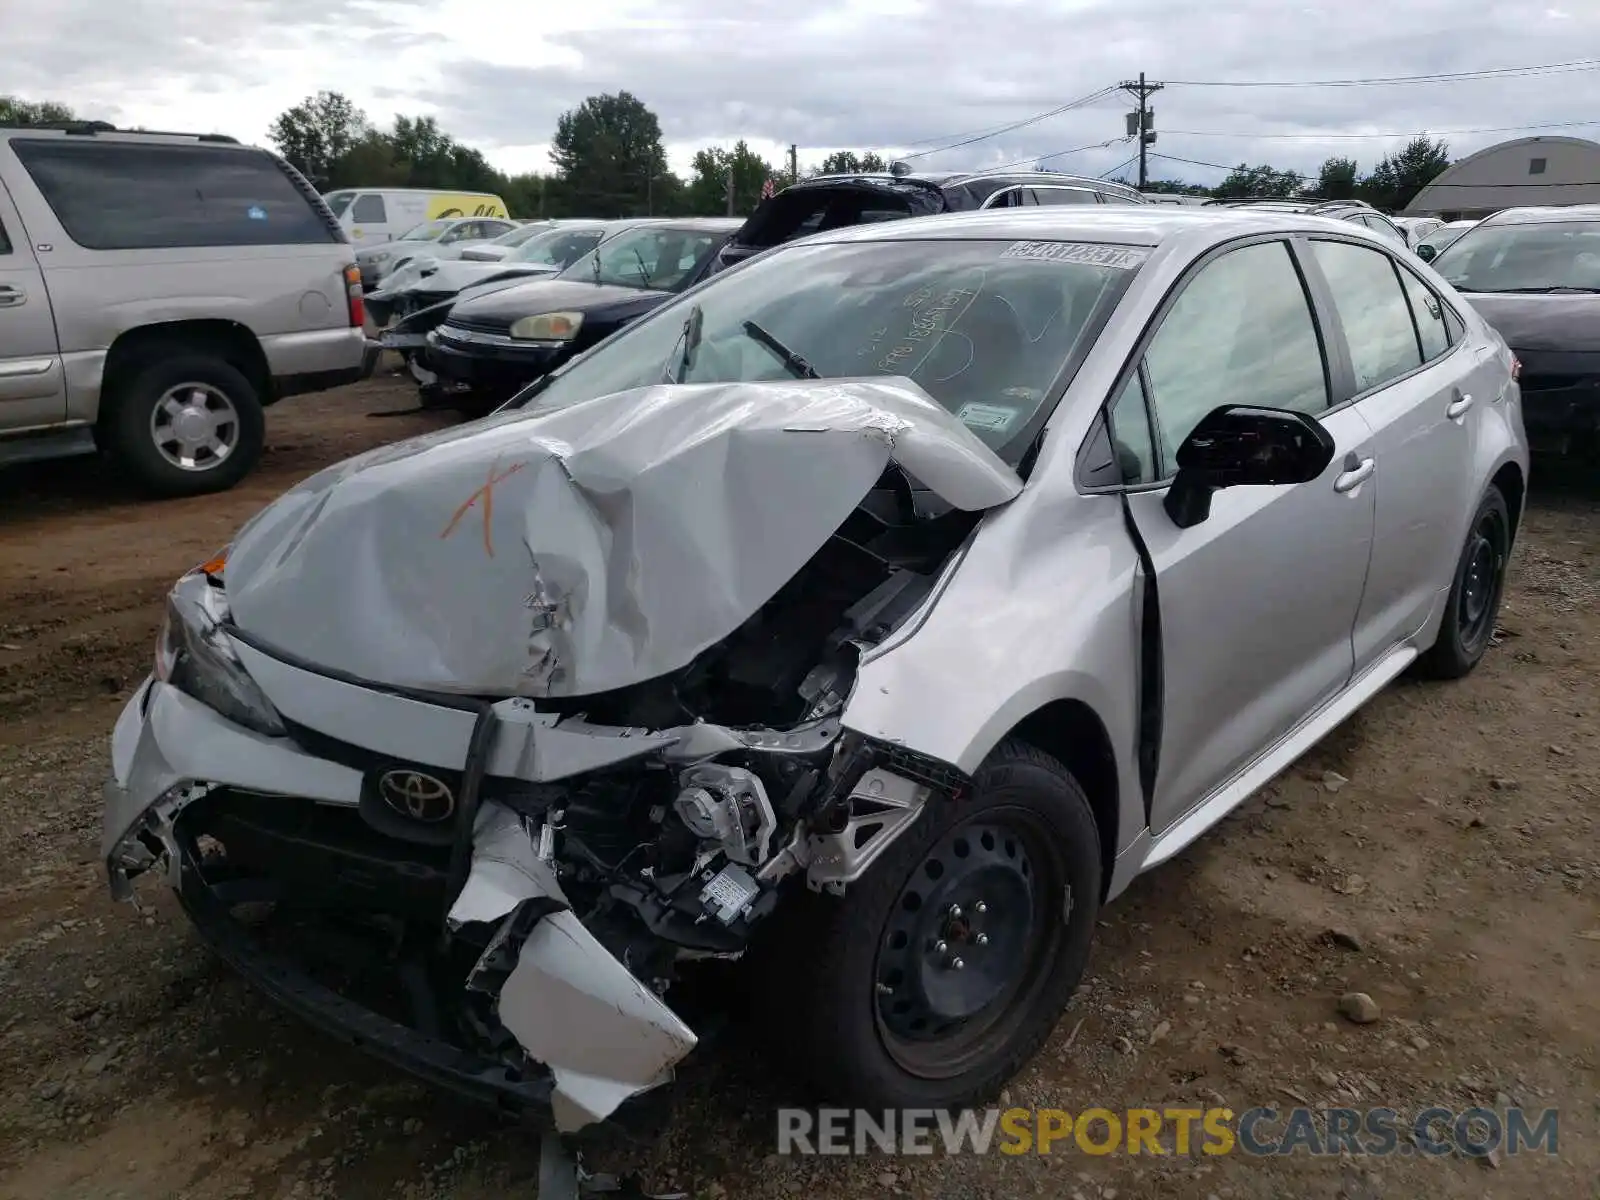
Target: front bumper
x: 1560, y: 392
x: 494, y: 366
x: 518, y: 1004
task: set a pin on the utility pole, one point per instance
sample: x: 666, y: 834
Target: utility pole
x: 794, y: 163
x: 1142, y: 122
x: 730, y: 189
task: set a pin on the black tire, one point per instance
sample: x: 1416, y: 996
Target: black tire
x: 836, y: 952
x: 132, y: 438
x: 1475, y: 593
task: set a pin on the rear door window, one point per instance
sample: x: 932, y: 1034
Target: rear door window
x: 1063, y: 195
x: 131, y: 196
x: 1373, y: 310
x: 1433, y: 329
x: 369, y: 210
x: 5, y: 242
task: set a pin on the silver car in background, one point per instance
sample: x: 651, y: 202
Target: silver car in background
x: 439, y: 238
x: 878, y: 609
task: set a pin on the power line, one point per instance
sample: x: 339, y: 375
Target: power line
x: 1033, y: 120
x: 1195, y: 162
x: 1035, y: 158
x: 1578, y: 64
x: 1125, y: 165
x: 1226, y: 133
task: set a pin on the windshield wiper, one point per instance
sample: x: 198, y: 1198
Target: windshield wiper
x: 690, y: 337
x: 1558, y: 289
x: 644, y: 271
x: 792, y: 362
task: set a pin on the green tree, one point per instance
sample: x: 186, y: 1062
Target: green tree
x: 707, y: 190
x: 1397, y: 178
x: 371, y: 162
x: 1175, y: 187
x: 1337, y: 179
x: 317, y: 133
x: 1246, y: 181
x: 609, y: 155
x: 16, y: 111
x: 847, y: 162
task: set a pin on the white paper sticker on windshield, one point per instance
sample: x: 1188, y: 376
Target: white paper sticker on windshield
x: 987, y: 417
x: 1094, y: 254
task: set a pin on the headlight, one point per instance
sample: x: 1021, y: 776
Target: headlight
x: 193, y: 655
x: 382, y: 256
x: 548, y: 327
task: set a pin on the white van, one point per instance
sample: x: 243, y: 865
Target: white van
x: 373, y: 215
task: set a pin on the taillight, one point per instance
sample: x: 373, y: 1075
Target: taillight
x: 1516, y: 367
x: 358, y: 305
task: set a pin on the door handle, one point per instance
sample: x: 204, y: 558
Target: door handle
x: 10, y: 296
x: 1356, y: 472
x: 1457, y: 407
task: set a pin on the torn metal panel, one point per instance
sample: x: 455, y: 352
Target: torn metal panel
x: 604, y: 1035
x: 506, y: 868
x: 571, y: 1005
x: 588, y: 548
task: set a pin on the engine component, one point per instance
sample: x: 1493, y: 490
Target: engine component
x: 729, y: 893
x: 882, y: 806
x: 729, y: 806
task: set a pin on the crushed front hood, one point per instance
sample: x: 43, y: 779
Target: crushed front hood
x: 453, y: 276
x: 588, y: 548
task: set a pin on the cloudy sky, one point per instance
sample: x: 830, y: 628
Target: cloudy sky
x: 898, y: 75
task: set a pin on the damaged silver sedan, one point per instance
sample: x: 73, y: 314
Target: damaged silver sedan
x: 873, y: 612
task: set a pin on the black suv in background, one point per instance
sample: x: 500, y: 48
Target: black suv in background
x: 838, y: 201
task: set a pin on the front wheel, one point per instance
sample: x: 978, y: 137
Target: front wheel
x: 1475, y: 594
x: 939, y: 974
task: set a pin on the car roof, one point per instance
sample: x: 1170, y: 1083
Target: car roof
x: 946, y: 179
x: 1126, y: 225
x: 710, y: 224
x: 1536, y: 215
x: 411, y: 191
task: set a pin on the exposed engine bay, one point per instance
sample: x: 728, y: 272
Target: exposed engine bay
x: 692, y: 851
x: 496, y: 883
x: 668, y: 857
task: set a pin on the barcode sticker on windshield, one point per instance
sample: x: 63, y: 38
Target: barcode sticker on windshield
x: 987, y: 417
x: 1094, y: 254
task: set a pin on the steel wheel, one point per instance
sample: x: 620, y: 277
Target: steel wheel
x: 968, y: 941
x: 1480, y: 585
x: 194, y: 426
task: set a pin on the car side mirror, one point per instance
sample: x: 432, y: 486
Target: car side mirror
x: 1425, y: 252
x: 1237, y: 445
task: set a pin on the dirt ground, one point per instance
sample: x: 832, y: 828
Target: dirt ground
x: 1458, y: 859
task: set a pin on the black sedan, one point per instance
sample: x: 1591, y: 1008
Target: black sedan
x: 492, y: 346
x: 1534, y: 274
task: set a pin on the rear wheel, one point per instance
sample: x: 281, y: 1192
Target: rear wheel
x: 185, y: 425
x: 940, y: 973
x: 1474, y: 603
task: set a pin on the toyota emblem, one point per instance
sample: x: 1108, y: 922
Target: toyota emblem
x: 418, y: 796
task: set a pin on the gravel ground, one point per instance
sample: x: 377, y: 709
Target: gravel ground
x: 1446, y: 834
